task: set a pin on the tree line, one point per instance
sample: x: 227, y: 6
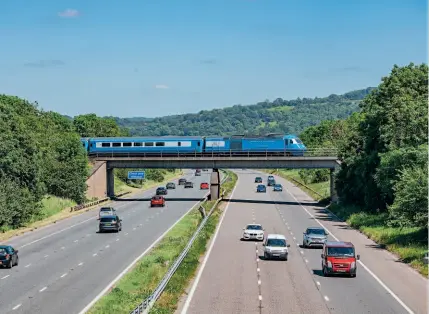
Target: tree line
x: 383, y: 149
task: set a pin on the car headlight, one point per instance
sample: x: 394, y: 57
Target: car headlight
x: 353, y: 265
x: 329, y: 264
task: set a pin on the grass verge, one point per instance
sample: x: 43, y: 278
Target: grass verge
x: 55, y: 209
x: 409, y: 244
x: 138, y: 284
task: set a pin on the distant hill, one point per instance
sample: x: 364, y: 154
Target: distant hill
x: 279, y: 116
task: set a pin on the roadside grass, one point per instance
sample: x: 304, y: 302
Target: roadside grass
x: 409, y: 244
x: 55, y: 209
x: 138, y: 284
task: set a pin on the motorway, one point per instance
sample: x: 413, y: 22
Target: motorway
x: 64, y: 266
x: 235, y: 278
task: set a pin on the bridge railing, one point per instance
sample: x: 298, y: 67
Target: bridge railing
x: 313, y: 152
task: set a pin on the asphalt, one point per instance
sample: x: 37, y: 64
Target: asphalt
x: 63, y: 267
x: 296, y: 285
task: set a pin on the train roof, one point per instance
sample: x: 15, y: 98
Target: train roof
x: 142, y: 138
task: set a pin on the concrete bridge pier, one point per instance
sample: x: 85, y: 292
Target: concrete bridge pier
x: 334, y: 195
x: 215, y: 185
x: 110, y: 182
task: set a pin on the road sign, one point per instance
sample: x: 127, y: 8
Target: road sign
x: 135, y: 175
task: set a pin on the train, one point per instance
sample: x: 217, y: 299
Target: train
x: 270, y: 144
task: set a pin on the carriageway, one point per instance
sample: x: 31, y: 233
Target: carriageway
x: 219, y: 162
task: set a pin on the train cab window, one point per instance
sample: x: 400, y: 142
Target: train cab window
x: 179, y: 144
x: 148, y: 144
x: 126, y: 144
x: 199, y: 144
x: 116, y: 144
x: 137, y: 144
x: 83, y: 144
x: 159, y: 144
x: 105, y: 144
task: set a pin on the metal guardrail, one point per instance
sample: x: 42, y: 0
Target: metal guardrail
x: 146, y: 305
x: 86, y: 205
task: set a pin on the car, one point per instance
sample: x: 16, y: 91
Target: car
x: 258, y: 180
x: 198, y: 174
x: 204, y: 186
x: 314, y: 236
x: 261, y: 188
x: 253, y: 231
x: 161, y: 191
x: 276, y: 246
x: 8, y: 256
x: 205, y: 169
x: 157, y: 200
x: 182, y: 181
x: 278, y: 187
x: 106, y: 211
x: 271, y: 182
x: 109, y: 223
x: 270, y: 177
x: 339, y: 258
x: 189, y: 184
x: 170, y: 186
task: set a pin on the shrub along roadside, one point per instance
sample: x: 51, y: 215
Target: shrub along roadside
x: 138, y: 284
x: 408, y: 243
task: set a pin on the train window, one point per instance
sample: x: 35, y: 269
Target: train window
x: 148, y: 144
x: 179, y: 144
x: 83, y: 144
x: 137, y: 144
x: 116, y: 144
x: 126, y: 144
x: 159, y: 144
x: 105, y: 144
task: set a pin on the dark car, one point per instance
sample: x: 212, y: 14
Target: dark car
x: 8, y: 256
x: 197, y: 172
x: 278, y: 188
x: 182, y: 181
x: 271, y: 182
x: 110, y: 223
x: 189, y: 184
x: 161, y: 191
x: 170, y: 185
x: 261, y: 188
x: 258, y: 180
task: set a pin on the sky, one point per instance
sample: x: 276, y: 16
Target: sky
x: 160, y: 57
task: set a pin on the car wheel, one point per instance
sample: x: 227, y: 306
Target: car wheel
x: 286, y: 257
x: 10, y: 265
x: 265, y: 256
x: 325, y: 272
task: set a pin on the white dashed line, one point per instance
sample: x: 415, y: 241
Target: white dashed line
x: 258, y: 270
x: 134, y: 229
x: 318, y: 283
x: 260, y: 297
x: 63, y: 275
x: 302, y: 252
x: 306, y: 260
x: 62, y: 248
x: 27, y: 265
x: 45, y: 256
x: 80, y: 264
x: 5, y: 277
x: 43, y: 289
x: 291, y: 233
x: 88, y: 235
x: 257, y: 260
x: 294, y: 238
x: 259, y: 282
x: 126, y: 233
x: 297, y: 244
x: 107, y: 246
x: 117, y: 240
x: 141, y: 225
x: 326, y: 298
x: 16, y: 307
x: 75, y: 241
x: 95, y: 254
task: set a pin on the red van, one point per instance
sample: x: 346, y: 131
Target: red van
x: 339, y: 258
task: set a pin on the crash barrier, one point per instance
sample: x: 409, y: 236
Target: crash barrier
x: 90, y: 204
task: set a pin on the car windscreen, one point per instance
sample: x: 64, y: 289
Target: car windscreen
x: 253, y: 227
x: 316, y: 231
x: 107, y: 219
x: 277, y: 186
x: 341, y: 251
x: 276, y: 242
x: 105, y: 209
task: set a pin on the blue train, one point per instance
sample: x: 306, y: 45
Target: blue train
x: 271, y: 144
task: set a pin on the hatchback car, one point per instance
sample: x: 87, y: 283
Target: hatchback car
x: 110, y: 223
x: 314, y: 236
x: 161, y: 191
x: 106, y: 211
x: 157, y: 201
x: 182, y: 181
x: 271, y: 182
x: 204, y: 186
x: 253, y: 232
x: 170, y: 186
x: 8, y: 256
x: 276, y: 246
x: 258, y: 180
x: 189, y: 184
x: 278, y: 188
x: 261, y: 188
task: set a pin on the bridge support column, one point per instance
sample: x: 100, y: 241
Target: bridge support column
x: 110, y: 182
x: 215, y: 185
x: 334, y: 195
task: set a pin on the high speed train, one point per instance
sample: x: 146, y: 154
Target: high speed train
x: 272, y: 144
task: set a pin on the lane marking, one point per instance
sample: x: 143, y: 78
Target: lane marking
x: 359, y: 261
x: 28, y: 265
x: 5, y: 277
x: 318, y: 283
x: 103, y: 292
x: 306, y: 260
x: 258, y: 270
x: 107, y: 246
x: 117, y: 240
x: 134, y: 228
x: 294, y: 238
x: 95, y: 254
x: 203, y: 265
x: 259, y: 282
x: 326, y: 298
x: 46, y: 256
x: 63, y: 275
x: 80, y: 264
x: 43, y: 289
x: 62, y: 248
x: 126, y: 233
x: 75, y: 241
x: 16, y: 307
x: 260, y: 297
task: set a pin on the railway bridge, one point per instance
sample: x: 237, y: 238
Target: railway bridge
x: 216, y: 163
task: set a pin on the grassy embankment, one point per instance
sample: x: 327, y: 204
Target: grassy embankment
x: 55, y: 208
x: 138, y: 284
x: 409, y: 244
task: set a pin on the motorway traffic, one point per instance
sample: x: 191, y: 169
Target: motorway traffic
x: 247, y: 282
x: 63, y: 267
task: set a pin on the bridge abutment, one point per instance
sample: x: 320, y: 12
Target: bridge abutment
x: 334, y: 195
x: 215, y: 185
x: 110, y: 182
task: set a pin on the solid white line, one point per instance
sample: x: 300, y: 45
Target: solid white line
x: 63, y: 275
x: 360, y: 262
x: 326, y: 298
x: 103, y: 292
x: 17, y: 307
x: 5, y: 277
x: 43, y: 289
x: 203, y: 265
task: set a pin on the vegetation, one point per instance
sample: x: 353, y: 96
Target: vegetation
x: 277, y: 116
x: 140, y: 282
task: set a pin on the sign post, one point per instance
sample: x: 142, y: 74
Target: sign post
x: 136, y: 175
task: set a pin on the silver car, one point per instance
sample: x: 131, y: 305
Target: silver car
x: 276, y: 246
x: 314, y: 236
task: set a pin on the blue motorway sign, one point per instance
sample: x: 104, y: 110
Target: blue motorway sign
x: 135, y: 175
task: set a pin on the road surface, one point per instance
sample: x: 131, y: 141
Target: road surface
x: 246, y: 283
x: 63, y: 267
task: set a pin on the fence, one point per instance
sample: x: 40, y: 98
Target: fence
x: 103, y: 200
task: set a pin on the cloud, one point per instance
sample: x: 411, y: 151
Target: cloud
x: 160, y: 86
x: 209, y: 61
x: 69, y: 13
x: 45, y: 63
